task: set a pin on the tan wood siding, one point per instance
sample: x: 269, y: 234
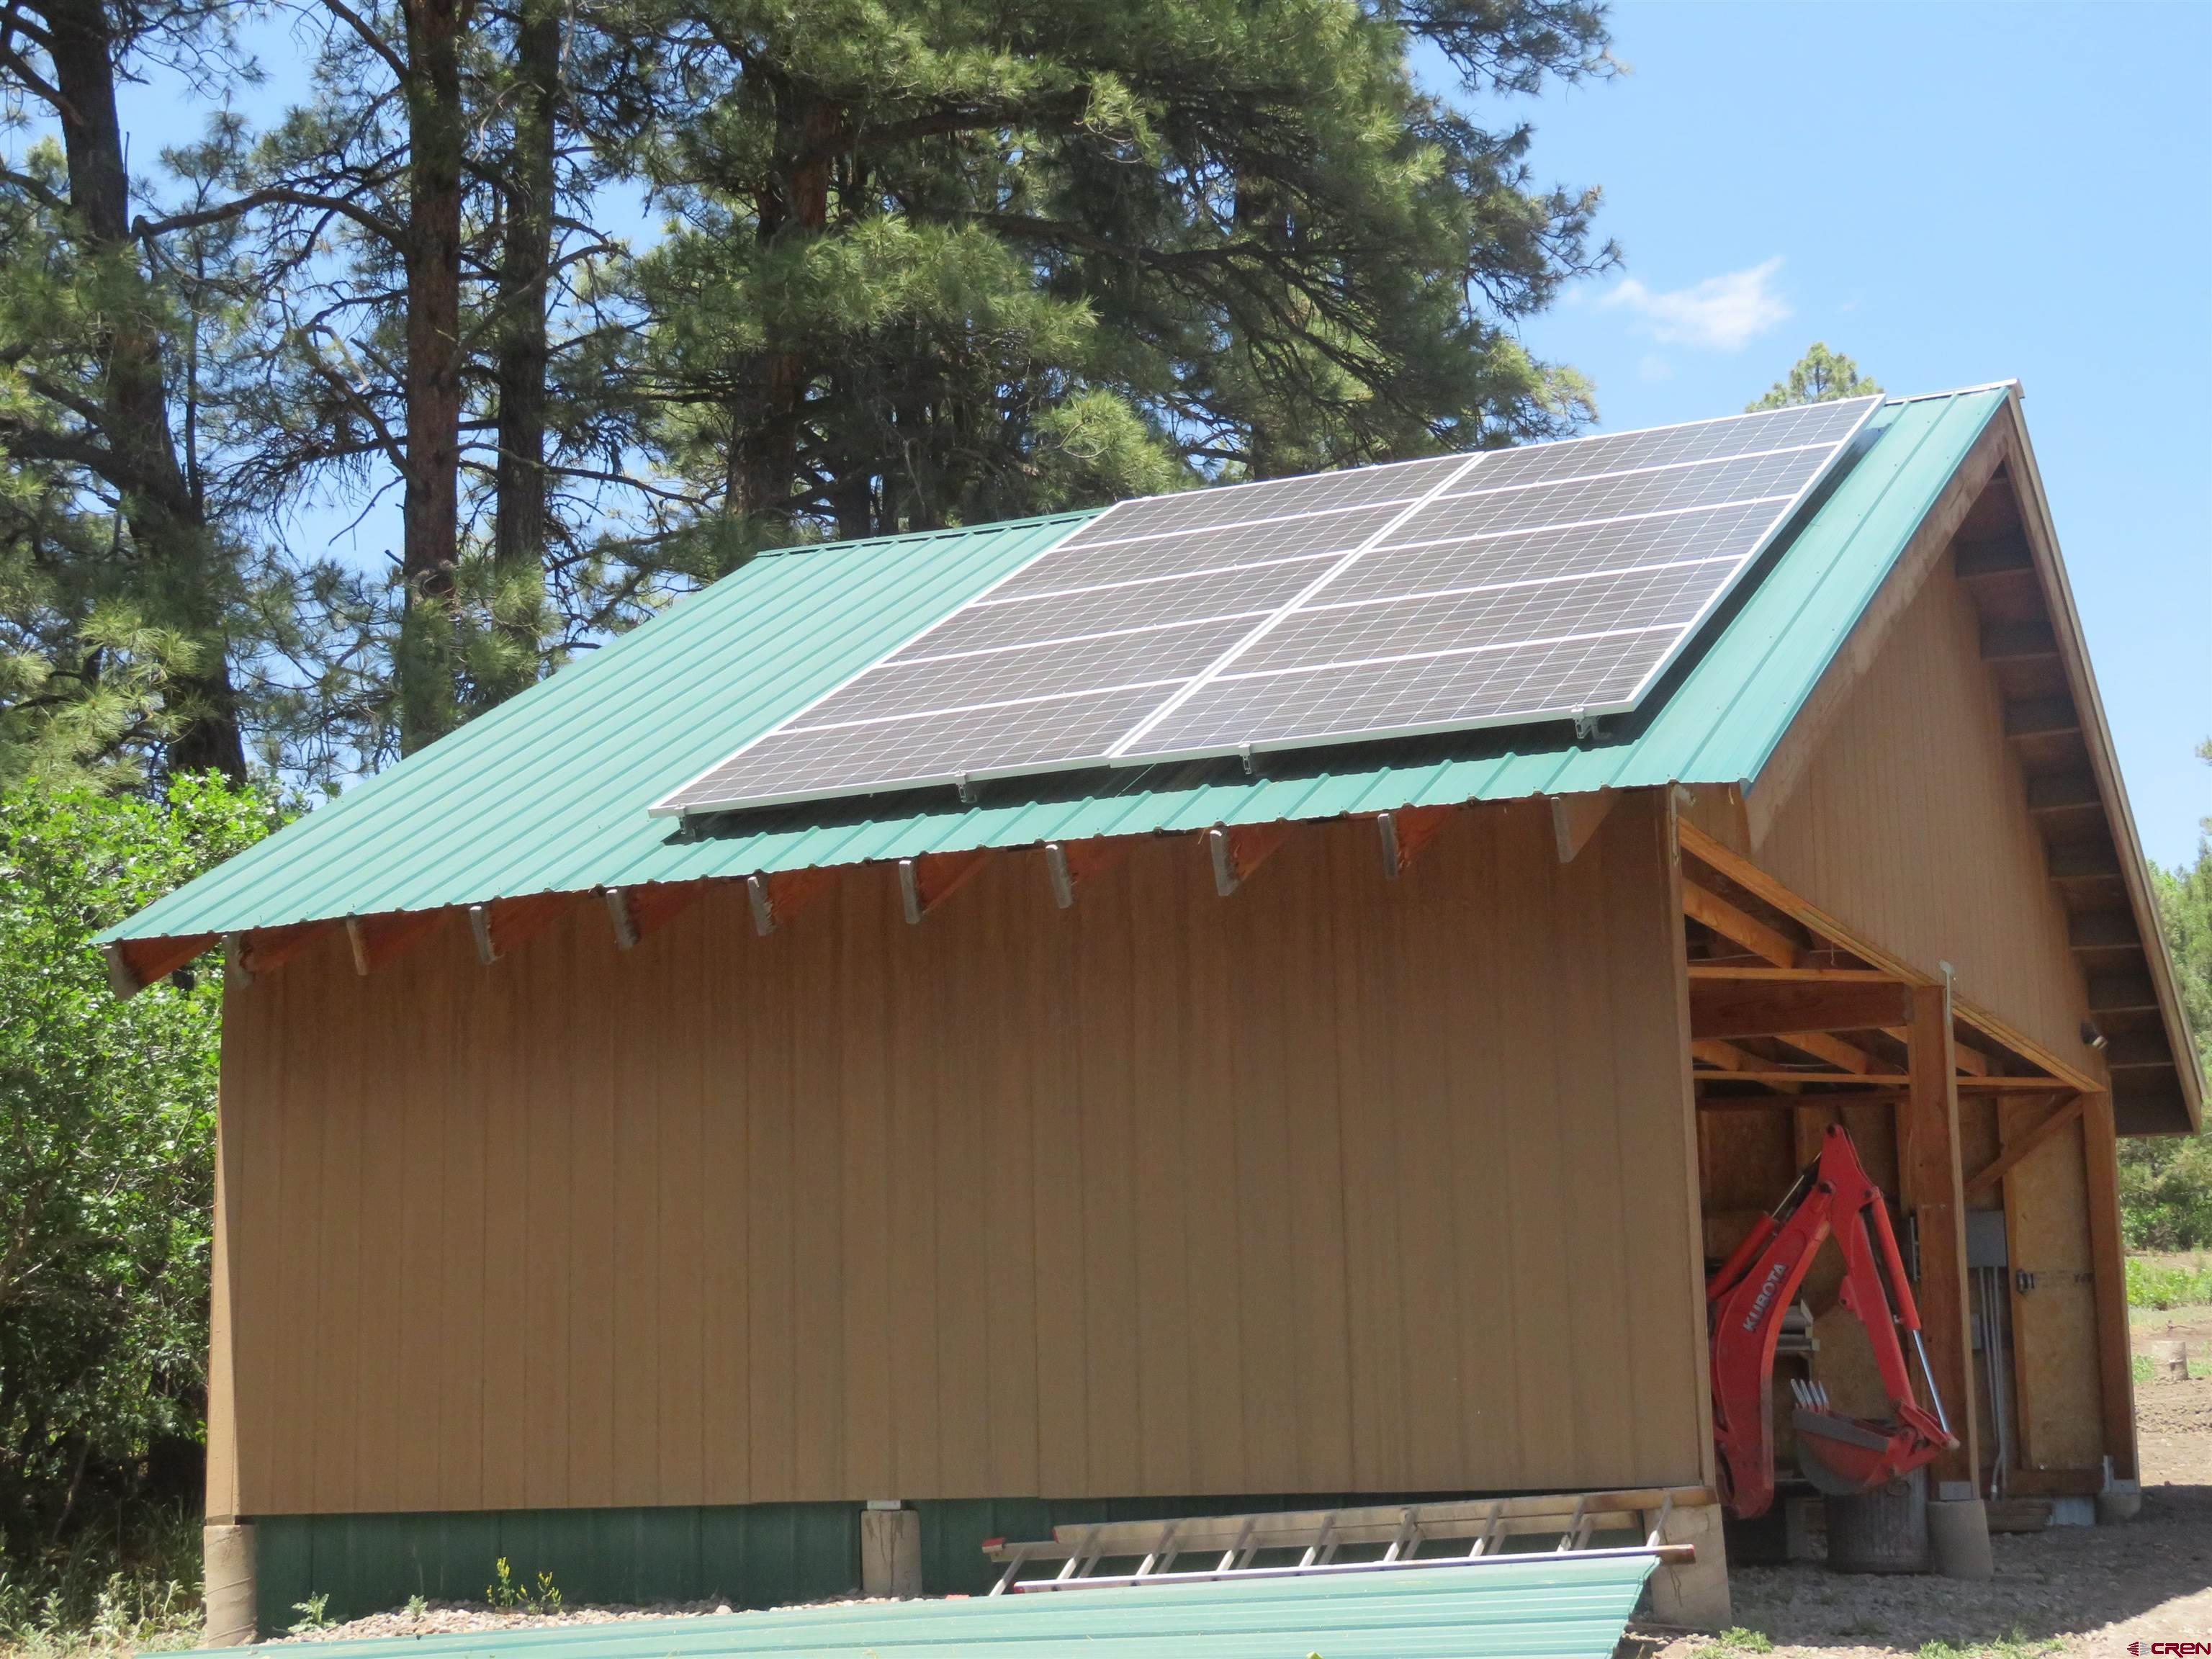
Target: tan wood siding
x: 1336, y: 1184
x: 1910, y: 825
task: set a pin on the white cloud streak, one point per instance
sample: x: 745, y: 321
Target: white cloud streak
x: 1722, y: 313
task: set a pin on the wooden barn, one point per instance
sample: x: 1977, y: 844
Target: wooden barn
x: 754, y: 1202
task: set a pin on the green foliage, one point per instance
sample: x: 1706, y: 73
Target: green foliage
x: 509, y: 1593
x: 313, y: 1615
x: 2165, y: 1181
x: 2014, y: 1646
x: 107, y: 1596
x: 106, y: 1117
x: 1819, y: 376
x: 1735, y: 1643
x: 2162, y: 1286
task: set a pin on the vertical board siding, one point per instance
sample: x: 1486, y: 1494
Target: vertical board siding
x: 1341, y: 1184
x: 1911, y: 826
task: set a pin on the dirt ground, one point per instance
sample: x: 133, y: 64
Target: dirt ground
x: 2064, y: 1592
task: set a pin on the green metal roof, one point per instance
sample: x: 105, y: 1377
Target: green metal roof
x: 548, y: 792
x: 1557, y: 1606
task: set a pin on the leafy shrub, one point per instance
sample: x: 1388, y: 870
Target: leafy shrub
x: 107, y: 1171
x: 2156, y: 1284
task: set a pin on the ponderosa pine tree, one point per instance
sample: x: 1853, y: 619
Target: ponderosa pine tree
x: 1819, y: 376
x: 989, y: 259
x: 88, y: 392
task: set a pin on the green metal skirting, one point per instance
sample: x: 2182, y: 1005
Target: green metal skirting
x: 758, y: 1555
x: 1511, y: 1608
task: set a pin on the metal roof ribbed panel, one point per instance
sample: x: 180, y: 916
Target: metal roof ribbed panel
x: 1508, y: 1607
x: 548, y: 792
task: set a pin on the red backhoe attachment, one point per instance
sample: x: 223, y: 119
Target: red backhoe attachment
x: 1745, y: 1301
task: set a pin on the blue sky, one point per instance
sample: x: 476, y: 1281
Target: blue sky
x: 1950, y: 193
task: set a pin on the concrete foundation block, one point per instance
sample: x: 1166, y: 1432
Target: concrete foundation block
x: 226, y: 1562
x: 1958, y: 1538
x: 1696, y: 1596
x: 891, y: 1553
x: 2120, y: 1501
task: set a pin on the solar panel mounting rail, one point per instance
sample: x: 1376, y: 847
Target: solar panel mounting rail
x: 1499, y: 587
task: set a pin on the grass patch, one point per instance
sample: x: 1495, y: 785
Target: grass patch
x: 1735, y: 1642
x: 2164, y: 1285
x: 84, y: 1601
x: 2015, y: 1646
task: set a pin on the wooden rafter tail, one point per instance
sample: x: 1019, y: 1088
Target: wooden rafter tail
x: 1406, y: 831
x: 927, y: 881
x: 501, y: 926
x: 1070, y: 864
x: 1738, y: 926
x: 142, y: 962
x: 775, y: 899
x: 651, y: 906
x: 122, y: 979
x: 267, y: 949
x: 1237, y: 850
x: 377, y: 940
x: 1576, y: 818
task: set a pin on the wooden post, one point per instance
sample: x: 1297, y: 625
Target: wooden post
x: 2100, y: 1164
x: 1933, y: 1192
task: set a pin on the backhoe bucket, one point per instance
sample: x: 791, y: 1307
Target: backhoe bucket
x: 1842, y: 1456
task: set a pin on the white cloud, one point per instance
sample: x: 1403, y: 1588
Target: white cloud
x: 1722, y: 313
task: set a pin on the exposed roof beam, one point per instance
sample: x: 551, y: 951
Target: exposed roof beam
x: 2080, y: 860
x: 1727, y: 1008
x: 1703, y: 905
x: 2113, y: 993
x: 1404, y: 832
x: 927, y: 881
x: 134, y: 964
x: 1236, y: 851
x: 775, y: 899
x: 2019, y: 642
x: 2003, y: 554
x: 1575, y: 819
x: 1070, y: 865
x: 2050, y: 793
x: 376, y: 940
x: 2041, y: 717
x: 1846, y: 1056
x: 2006, y: 1161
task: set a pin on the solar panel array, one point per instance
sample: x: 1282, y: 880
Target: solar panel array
x: 1462, y: 591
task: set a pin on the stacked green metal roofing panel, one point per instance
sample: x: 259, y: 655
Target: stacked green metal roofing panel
x: 1512, y: 1608
x: 548, y: 792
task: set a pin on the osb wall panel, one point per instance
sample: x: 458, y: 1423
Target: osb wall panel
x: 2053, y: 1292
x: 1336, y: 1184
x: 1910, y: 825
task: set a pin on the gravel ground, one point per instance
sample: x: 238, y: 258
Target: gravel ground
x: 2065, y: 1592
x: 2070, y: 1591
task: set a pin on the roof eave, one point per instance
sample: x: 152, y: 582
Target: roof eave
x: 2104, y: 760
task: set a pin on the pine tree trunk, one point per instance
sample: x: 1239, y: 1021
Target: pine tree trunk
x: 525, y: 271
x: 764, y: 451
x: 165, y: 519
x: 425, y: 669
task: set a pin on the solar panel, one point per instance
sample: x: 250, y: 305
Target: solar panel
x: 1461, y: 591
